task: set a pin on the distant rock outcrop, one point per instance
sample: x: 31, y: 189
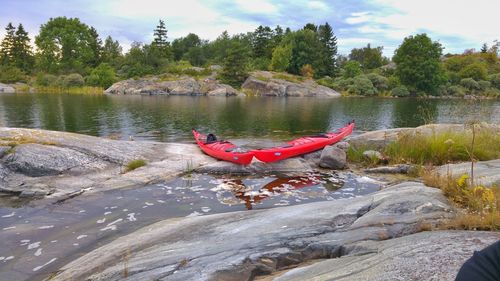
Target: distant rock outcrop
x: 6, y: 89
x: 184, y: 85
x: 264, y: 83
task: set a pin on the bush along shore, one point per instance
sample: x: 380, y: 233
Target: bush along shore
x: 418, y: 67
x: 434, y: 154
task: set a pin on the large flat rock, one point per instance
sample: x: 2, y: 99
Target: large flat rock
x: 40, y: 160
x: 241, y: 245
x: 265, y: 83
x: 380, y: 138
x: 486, y: 173
x: 434, y: 255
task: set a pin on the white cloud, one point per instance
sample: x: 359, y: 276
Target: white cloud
x: 475, y: 21
x: 318, y: 5
x: 257, y: 6
x: 361, y: 17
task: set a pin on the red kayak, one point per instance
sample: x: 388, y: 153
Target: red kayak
x: 302, y: 145
x: 223, y: 150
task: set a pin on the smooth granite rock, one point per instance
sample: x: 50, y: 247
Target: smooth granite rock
x: 181, y: 86
x: 486, y: 173
x: 333, y: 157
x: 4, y: 88
x: 242, y: 245
x: 430, y: 255
x: 263, y: 83
x: 37, y: 160
x: 397, y: 169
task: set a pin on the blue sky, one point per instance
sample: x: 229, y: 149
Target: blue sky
x: 457, y: 24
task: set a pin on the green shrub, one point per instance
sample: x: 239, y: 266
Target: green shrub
x: 343, y: 84
x: 45, y: 80
x: 102, y: 76
x: 393, y: 82
x: 351, y: 69
x: 476, y: 71
x: 378, y: 81
x: 456, y: 90
x: 495, y: 80
x: 73, y: 80
x: 400, y: 91
x: 281, y: 58
x: 260, y: 64
x: 327, y: 81
x: 469, y: 84
x: 11, y: 74
x: 362, y: 86
x: 491, y: 92
x: 483, y: 85
x: 453, y: 77
x: 134, y: 164
x: 177, y: 67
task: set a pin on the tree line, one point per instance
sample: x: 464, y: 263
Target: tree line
x: 71, y: 53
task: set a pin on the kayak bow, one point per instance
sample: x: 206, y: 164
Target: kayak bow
x: 302, y: 145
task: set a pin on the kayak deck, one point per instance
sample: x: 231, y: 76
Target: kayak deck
x: 223, y: 150
x: 302, y: 145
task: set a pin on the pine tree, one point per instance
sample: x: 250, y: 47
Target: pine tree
x: 262, y: 42
x: 160, y: 35
x: 95, y: 44
x: 111, y: 50
x: 7, y: 45
x: 484, y: 48
x: 329, y: 42
x: 160, y: 40
x: 234, y: 70
x: 22, y: 53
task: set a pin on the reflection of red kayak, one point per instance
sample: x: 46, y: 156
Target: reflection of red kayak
x: 223, y: 150
x: 302, y: 145
x: 273, y: 187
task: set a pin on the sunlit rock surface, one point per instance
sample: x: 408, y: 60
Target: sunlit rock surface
x: 241, y: 245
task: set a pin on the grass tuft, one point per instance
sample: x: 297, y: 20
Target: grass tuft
x: 134, y: 164
x: 480, y: 205
x: 436, y: 149
x: 71, y: 90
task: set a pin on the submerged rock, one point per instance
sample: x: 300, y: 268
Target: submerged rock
x: 333, y: 157
x: 241, y: 245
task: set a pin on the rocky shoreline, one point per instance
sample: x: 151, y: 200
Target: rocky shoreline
x: 339, y: 235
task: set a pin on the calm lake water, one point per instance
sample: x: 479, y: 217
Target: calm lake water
x: 170, y: 118
x: 38, y: 240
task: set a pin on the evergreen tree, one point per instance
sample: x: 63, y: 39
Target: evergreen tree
x: 22, y: 53
x: 484, y: 48
x: 7, y: 45
x: 234, y: 70
x: 160, y: 35
x: 262, y: 45
x: 311, y: 26
x: 111, y: 51
x: 329, y: 42
x: 95, y: 44
x: 160, y: 40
